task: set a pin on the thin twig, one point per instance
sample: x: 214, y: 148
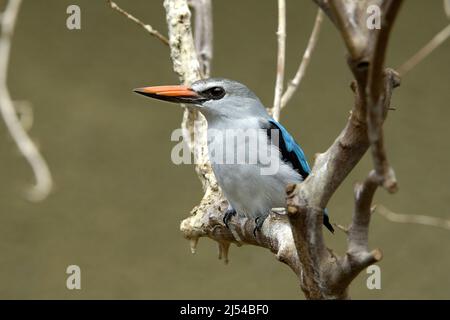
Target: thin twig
x: 294, y: 84
x: 147, y: 27
x: 412, y: 218
x: 434, y: 43
x: 203, y: 34
x: 281, y: 57
x: 26, y: 146
x: 341, y: 227
x: 447, y: 7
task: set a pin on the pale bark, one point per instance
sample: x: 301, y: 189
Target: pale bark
x: 26, y: 146
x: 281, y: 59
x: 424, y: 52
x: 306, y: 58
x: 145, y: 26
x: 294, y: 234
x: 296, y: 237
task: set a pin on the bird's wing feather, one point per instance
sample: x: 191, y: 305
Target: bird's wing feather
x: 292, y: 153
x: 290, y: 150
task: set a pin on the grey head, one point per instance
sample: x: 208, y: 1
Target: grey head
x: 215, y: 98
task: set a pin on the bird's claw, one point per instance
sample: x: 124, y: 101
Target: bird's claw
x: 228, y: 215
x: 259, y: 221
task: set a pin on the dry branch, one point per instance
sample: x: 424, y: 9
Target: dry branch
x: 203, y: 36
x: 281, y: 59
x: 376, y: 86
x: 26, y: 146
x: 295, y: 234
x: 434, y: 43
x: 296, y: 237
x: 294, y: 83
x: 411, y: 218
x: 146, y: 27
x: 186, y: 64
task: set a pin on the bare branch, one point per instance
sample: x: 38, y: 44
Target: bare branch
x: 447, y: 8
x: 275, y: 234
x: 359, y: 229
x: 28, y: 149
x: 281, y: 57
x: 341, y: 227
x: 347, y: 16
x: 295, y: 235
x: 294, y: 84
x: 434, y: 43
x: 203, y: 35
x: 186, y: 64
x: 324, y: 5
x: 332, y: 167
x: 367, y: 50
x: 146, y: 27
x: 412, y: 218
x: 376, y: 87
x: 324, y: 274
x: 358, y: 256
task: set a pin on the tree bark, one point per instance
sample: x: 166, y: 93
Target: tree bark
x: 295, y: 234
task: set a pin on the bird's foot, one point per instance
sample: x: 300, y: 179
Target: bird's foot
x: 259, y: 221
x: 228, y: 215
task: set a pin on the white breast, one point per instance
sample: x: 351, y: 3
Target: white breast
x: 258, y: 184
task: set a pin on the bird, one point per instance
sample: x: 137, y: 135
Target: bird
x: 231, y: 107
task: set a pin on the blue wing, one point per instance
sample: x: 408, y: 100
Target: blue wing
x: 292, y: 153
x: 290, y: 150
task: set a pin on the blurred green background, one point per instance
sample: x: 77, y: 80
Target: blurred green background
x: 118, y: 199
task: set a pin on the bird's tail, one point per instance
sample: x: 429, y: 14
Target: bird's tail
x: 326, y: 221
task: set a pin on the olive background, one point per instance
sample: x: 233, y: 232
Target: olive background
x: 118, y: 199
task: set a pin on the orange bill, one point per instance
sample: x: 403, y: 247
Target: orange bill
x: 169, y: 91
x: 177, y: 93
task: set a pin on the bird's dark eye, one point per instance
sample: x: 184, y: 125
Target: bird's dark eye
x: 215, y: 93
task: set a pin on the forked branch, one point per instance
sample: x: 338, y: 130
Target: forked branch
x: 296, y: 236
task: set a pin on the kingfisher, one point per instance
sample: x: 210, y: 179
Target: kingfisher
x: 252, y: 188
